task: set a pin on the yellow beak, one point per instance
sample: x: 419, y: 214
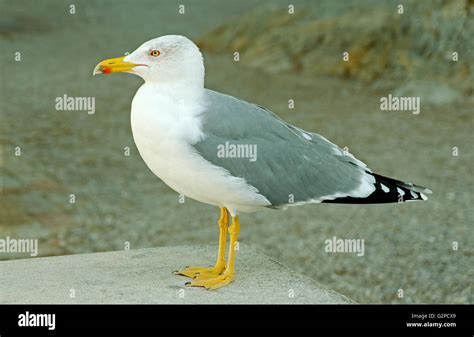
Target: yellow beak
x: 116, y: 65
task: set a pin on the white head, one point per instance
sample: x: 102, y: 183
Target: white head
x: 166, y: 59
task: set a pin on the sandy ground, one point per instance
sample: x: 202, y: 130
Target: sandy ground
x: 118, y: 200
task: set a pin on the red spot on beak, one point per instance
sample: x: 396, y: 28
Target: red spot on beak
x: 106, y: 70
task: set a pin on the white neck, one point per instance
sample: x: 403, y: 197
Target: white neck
x: 178, y: 90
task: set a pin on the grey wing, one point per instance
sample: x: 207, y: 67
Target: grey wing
x: 291, y: 166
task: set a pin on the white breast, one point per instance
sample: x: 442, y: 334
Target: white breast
x: 163, y: 130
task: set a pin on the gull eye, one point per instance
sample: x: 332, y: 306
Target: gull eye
x: 155, y: 53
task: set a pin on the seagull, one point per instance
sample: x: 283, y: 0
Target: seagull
x: 238, y: 156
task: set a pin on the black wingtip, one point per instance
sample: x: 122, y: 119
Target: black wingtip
x: 387, y: 190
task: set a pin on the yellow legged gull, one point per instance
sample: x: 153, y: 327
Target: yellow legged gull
x: 235, y: 155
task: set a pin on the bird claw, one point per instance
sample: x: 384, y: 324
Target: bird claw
x: 212, y: 283
x: 194, y: 272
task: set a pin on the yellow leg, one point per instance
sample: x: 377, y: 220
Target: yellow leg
x: 220, y: 263
x: 229, y: 274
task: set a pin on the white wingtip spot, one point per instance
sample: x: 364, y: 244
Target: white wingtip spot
x: 385, y: 188
x: 413, y: 195
x: 400, y: 191
x: 424, y: 197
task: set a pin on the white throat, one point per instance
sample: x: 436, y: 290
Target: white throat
x: 181, y: 92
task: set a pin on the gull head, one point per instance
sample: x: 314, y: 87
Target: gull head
x: 169, y: 58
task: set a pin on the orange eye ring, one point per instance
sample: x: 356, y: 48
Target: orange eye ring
x: 155, y: 53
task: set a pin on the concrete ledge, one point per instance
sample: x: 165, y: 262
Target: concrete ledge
x: 145, y: 276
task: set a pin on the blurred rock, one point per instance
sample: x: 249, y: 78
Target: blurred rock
x: 436, y: 94
x: 381, y: 43
x: 145, y: 276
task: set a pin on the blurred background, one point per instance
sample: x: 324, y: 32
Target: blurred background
x: 282, y: 56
